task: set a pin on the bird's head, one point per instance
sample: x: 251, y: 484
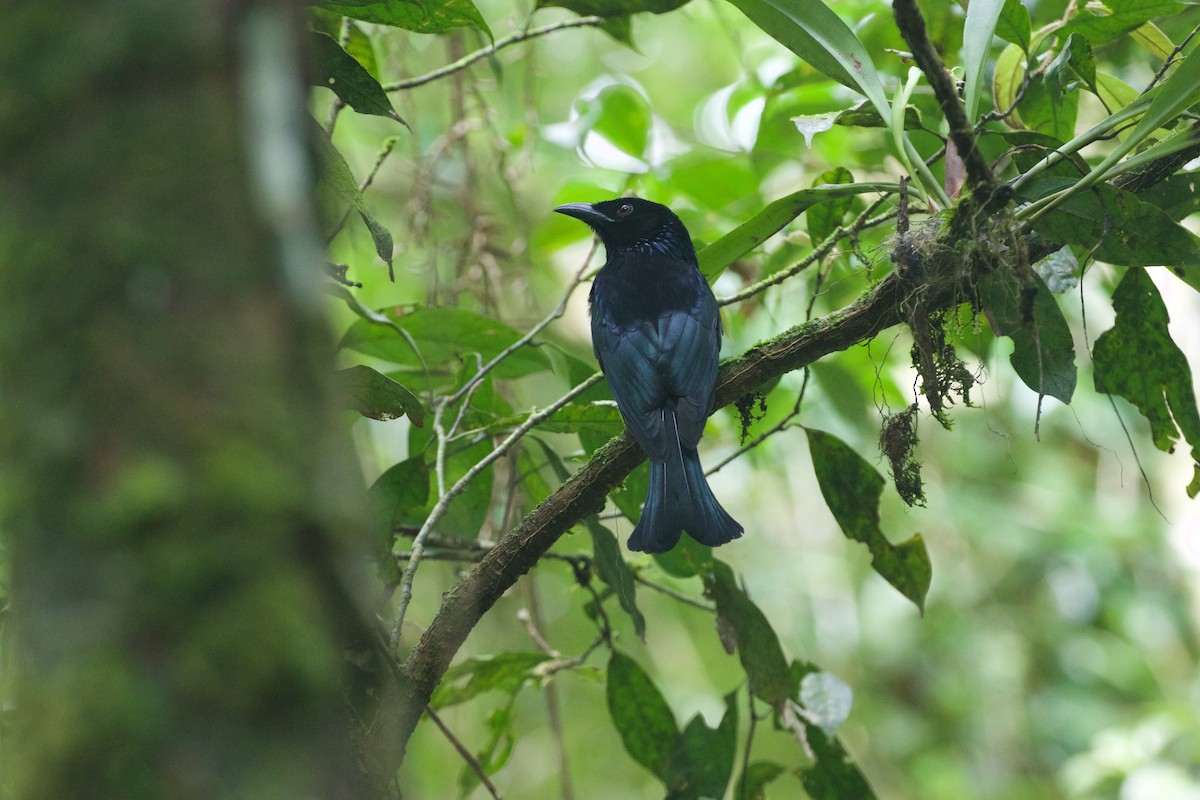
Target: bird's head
x: 631, y: 223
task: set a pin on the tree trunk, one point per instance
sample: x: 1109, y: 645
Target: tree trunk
x: 177, y: 490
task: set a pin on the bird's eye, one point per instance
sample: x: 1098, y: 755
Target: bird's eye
x: 625, y: 210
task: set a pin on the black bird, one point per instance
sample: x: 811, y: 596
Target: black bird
x: 656, y: 332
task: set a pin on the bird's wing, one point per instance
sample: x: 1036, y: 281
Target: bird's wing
x: 652, y: 367
x: 691, y: 346
x: 629, y: 358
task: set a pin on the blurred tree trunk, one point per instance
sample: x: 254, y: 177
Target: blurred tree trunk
x: 176, y: 487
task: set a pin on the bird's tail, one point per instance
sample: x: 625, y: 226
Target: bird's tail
x: 680, y: 499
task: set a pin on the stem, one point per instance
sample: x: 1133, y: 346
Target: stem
x: 471, y: 58
x: 445, y: 497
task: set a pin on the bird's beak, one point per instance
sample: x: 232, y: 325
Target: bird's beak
x: 585, y: 212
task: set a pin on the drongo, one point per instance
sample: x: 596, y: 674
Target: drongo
x: 656, y: 332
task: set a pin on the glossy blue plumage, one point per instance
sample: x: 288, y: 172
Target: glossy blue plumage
x: 656, y: 332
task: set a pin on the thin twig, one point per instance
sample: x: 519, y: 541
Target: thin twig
x: 558, y: 311
x: 1171, y: 59
x: 762, y: 437
x: 532, y: 619
x: 669, y: 592
x: 445, y: 497
x: 471, y: 58
x: 861, y: 222
x: 750, y: 730
x: 472, y: 762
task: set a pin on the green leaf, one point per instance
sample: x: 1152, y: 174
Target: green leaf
x: 337, y: 179
x: 444, y: 335
x: 640, y: 714
x: 1137, y: 359
x: 702, y: 759
x: 834, y: 776
x: 1006, y: 80
x: 1178, y: 92
x: 1130, y: 232
x: 752, y: 784
x: 357, y: 306
x: 336, y: 69
x: 1115, y: 94
x: 616, y: 13
x: 811, y: 30
x: 495, y: 753
x: 1013, y: 24
x: 980, y: 25
x: 614, y: 8
x: 758, y: 646
x: 402, y: 489
x: 1125, y: 15
x: 1040, y: 111
x: 766, y: 223
x: 422, y: 16
x: 357, y: 44
x: 687, y: 559
x: 852, y: 488
x: 379, y: 397
x: 505, y: 672
x: 615, y: 572
x: 1043, y: 349
x: 864, y: 115
x: 824, y: 218
x: 622, y: 116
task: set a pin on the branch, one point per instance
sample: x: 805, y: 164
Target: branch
x: 471, y: 58
x: 912, y: 28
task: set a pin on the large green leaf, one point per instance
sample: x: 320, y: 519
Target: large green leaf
x: 1041, y: 111
x: 615, y: 572
x: 766, y: 223
x: 622, y: 116
x: 1137, y: 359
x: 811, y: 30
x: 422, y: 16
x: 1013, y: 25
x: 852, y: 488
x: 337, y: 179
x: 615, y: 8
x: 336, y: 69
x: 982, y: 16
x: 379, y: 397
x: 1130, y: 232
x: 396, y: 494
x: 702, y: 759
x: 1119, y: 16
x: 834, y: 776
x: 444, y: 335
x: 757, y: 644
x: 641, y: 714
x: 1043, y: 350
x: 824, y: 218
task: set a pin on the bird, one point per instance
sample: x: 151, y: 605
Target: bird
x: 656, y: 332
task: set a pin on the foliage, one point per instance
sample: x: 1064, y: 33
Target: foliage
x: 849, y: 179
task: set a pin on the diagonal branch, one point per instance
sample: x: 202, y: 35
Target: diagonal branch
x: 500, y: 44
